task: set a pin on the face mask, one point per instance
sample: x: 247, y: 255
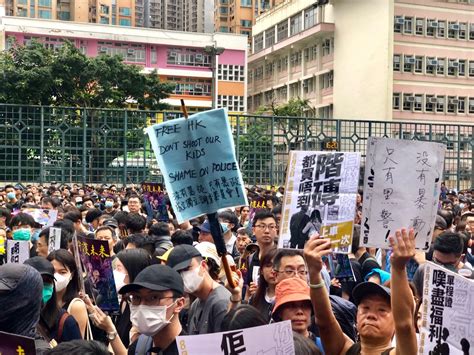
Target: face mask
x: 61, y: 281
x: 11, y: 195
x: 450, y: 267
x: 149, y: 320
x: 35, y: 235
x: 109, y: 204
x: 119, y: 278
x: 47, y: 292
x: 22, y: 234
x: 461, y: 205
x: 192, y: 280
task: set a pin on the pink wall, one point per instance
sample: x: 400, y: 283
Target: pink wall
x: 232, y: 56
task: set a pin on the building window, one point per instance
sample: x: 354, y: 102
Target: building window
x: 125, y: 22
x: 282, y: 31
x: 408, y: 63
x: 153, y: 55
x: 64, y: 15
x: 461, y: 105
x: 295, y: 24
x: 232, y: 102
x: 420, y: 26
x: 310, y: 16
x: 308, y: 85
x: 471, y: 31
x: 441, y: 29
x: 44, y: 3
x: 311, y: 53
x: 471, y: 68
x: 223, y: 29
x: 270, y: 37
x: 188, y: 57
x: 408, y: 25
x: 453, y: 66
x: 125, y: 11
x: 295, y: 59
x: 418, y: 104
x: 104, y: 20
x: 245, y: 23
x: 269, y: 70
x: 246, y: 3
x: 408, y: 100
x: 441, y: 67
x: 396, y: 101
x: 229, y: 72
x: 452, y: 104
x: 398, y: 24
x: 326, y: 47
x: 462, y: 30
x: 453, y: 29
x: 471, y: 105
x: 430, y: 101
x: 431, y: 26
x: 259, y: 73
x: 431, y: 64
x: 258, y: 43
x: 246, y: 33
x: 44, y: 14
x: 396, y: 62
x: 441, y: 102
x: 418, y: 64
x: 191, y: 86
x: 104, y: 9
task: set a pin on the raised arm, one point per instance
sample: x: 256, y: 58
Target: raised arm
x: 333, y: 339
x: 402, y: 297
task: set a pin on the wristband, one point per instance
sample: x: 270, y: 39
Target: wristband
x: 234, y: 301
x: 317, y: 286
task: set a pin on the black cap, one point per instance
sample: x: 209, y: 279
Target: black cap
x: 156, y: 278
x: 111, y: 222
x: 41, y: 264
x: 441, y: 223
x: 452, y: 192
x: 10, y: 275
x: 365, y: 289
x: 181, y: 256
x: 93, y: 214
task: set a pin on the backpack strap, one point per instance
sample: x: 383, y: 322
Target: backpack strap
x: 144, y: 343
x: 62, y: 320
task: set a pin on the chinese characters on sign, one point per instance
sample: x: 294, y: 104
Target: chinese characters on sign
x: 54, y: 241
x: 448, y: 304
x: 275, y: 339
x: 320, y: 197
x: 16, y: 344
x: 401, y: 189
x: 18, y: 251
x: 155, y: 201
x: 198, y: 162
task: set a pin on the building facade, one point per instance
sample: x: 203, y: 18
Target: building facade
x: 179, y: 57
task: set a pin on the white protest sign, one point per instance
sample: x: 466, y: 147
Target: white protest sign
x: 402, y: 185
x: 272, y: 339
x: 320, y: 197
x: 18, y: 251
x: 198, y: 162
x: 54, y: 241
x: 448, y: 305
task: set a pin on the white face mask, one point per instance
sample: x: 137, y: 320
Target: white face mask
x: 192, y: 280
x: 119, y: 278
x: 61, y: 281
x: 149, y: 320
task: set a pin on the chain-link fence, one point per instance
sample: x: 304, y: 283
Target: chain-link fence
x: 78, y: 145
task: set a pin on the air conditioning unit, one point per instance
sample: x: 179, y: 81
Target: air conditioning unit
x: 399, y: 21
x: 410, y: 98
x: 453, y: 64
x: 433, y: 62
x: 199, y: 57
x: 454, y: 27
x: 103, y: 49
x: 453, y: 101
x: 173, y: 55
x: 433, y: 24
x: 463, y: 27
x: 409, y: 60
x: 433, y: 100
x: 130, y: 51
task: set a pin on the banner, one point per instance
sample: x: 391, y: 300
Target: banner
x: 401, y: 189
x: 154, y: 196
x: 13, y: 344
x: 198, y: 162
x: 320, y: 197
x: 448, y: 305
x: 95, y: 256
x: 18, y: 251
x: 274, y: 339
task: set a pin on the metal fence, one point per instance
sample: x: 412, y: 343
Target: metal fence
x: 93, y: 146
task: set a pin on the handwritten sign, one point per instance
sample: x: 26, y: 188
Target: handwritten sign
x: 16, y: 344
x: 18, y: 251
x: 95, y: 256
x: 54, y: 240
x: 320, y: 197
x: 197, y: 159
x: 447, y: 326
x: 402, y: 185
x: 275, y: 338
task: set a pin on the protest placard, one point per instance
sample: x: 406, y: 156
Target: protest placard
x: 13, y: 344
x: 402, y: 185
x: 198, y: 162
x: 54, y: 240
x: 447, y: 326
x: 41, y: 216
x: 18, y: 251
x: 320, y: 197
x: 95, y: 256
x: 275, y: 338
x: 155, y: 201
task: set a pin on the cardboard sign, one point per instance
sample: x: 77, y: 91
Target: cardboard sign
x: 401, y: 189
x: 274, y: 339
x: 198, y: 162
x: 448, y: 304
x: 95, y: 256
x: 54, y: 241
x: 13, y: 344
x: 320, y: 197
x: 18, y: 251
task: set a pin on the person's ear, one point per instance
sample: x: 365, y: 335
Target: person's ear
x: 180, y: 303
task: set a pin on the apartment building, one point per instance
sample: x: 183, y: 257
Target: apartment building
x: 179, y: 57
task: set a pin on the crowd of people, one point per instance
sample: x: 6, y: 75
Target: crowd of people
x: 171, y: 280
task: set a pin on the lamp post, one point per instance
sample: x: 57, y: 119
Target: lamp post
x: 214, y: 51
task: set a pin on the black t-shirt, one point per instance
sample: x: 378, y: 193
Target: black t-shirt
x: 254, y: 262
x: 123, y: 324
x: 172, y: 349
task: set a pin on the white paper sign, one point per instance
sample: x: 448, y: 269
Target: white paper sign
x: 320, y: 197
x: 272, y: 339
x: 448, y: 306
x: 402, y: 185
x: 54, y: 241
x: 18, y: 251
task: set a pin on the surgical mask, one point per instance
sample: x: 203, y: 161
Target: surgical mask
x: 22, y: 234
x: 47, y: 292
x: 61, y: 281
x: 35, y: 235
x: 192, y: 280
x: 109, y: 204
x: 462, y: 205
x: 119, y: 278
x: 149, y: 320
x: 11, y: 195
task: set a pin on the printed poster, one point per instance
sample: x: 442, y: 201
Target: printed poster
x: 401, y: 187
x: 155, y: 201
x: 54, y: 240
x: 95, y: 256
x: 275, y: 339
x: 320, y: 197
x: 448, y: 305
x: 44, y: 217
x: 13, y: 344
x: 198, y: 162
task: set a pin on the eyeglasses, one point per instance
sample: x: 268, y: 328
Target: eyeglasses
x: 293, y: 272
x: 151, y: 300
x: 265, y: 226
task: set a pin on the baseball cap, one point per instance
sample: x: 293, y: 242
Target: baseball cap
x: 93, y: 214
x: 10, y: 275
x: 41, y: 264
x: 111, y: 222
x: 156, y: 278
x: 181, y: 256
x: 441, y: 223
x: 208, y: 250
x: 206, y: 227
x: 291, y: 290
x: 164, y: 257
x: 365, y: 289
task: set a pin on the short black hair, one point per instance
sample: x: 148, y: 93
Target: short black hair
x: 136, y: 223
x: 93, y: 214
x: 276, y: 210
x: 159, y: 229
x: 54, y: 201
x: 242, y: 316
x: 79, y: 347
x: 449, y: 243
x: 22, y: 219
x: 261, y: 215
x: 74, y: 216
x: 447, y: 215
x: 65, y: 224
x: 182, y: 237
x: 134, y: 260
x: 231, y: 217
x: 5, y: 212
x: 65, y: 237
x: 121, y: 217
x: 283, y: 253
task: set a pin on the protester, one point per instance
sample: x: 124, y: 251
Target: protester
x: 108, y: 234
